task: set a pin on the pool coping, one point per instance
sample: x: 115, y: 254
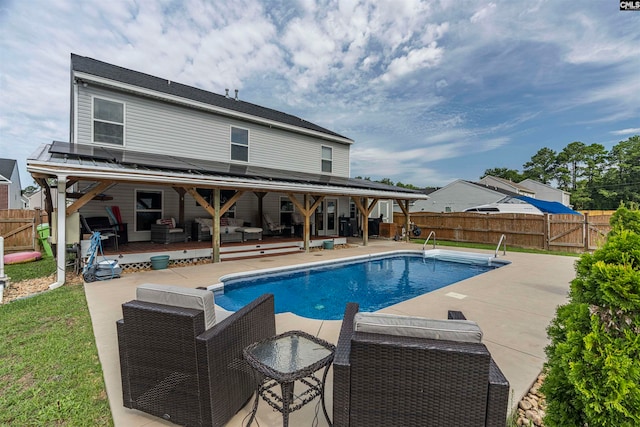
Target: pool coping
x: 456, y: 256
x: 348, y: 260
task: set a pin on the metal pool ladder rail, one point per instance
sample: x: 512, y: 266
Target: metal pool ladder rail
x: 433, y: 233
x: 503, y: 242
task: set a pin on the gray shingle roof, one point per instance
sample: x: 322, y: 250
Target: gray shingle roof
x: 6, y: 167
x: 123, y: 75
x: 494, y: 188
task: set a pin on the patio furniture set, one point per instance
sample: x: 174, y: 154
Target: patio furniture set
x: 187, y: 361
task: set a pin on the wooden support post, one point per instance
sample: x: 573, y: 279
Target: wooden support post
x: 215, y: 233
x: 547, y: 232
x: 586, y: 232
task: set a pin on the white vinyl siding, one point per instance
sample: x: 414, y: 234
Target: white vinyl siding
x: 108, y: 121
x: 158, y: 127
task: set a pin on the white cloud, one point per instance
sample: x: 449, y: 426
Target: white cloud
x: 426, y: 57
x: 629, y: 131
x: 483, y: 13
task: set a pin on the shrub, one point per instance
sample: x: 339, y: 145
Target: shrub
x: 593, y: 360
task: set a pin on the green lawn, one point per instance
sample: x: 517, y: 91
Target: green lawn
x: 50, y: 374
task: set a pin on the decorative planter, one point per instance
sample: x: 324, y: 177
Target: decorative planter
x: 159, y: 262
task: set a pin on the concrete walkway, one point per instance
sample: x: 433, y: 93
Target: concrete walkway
x: 513, y: 305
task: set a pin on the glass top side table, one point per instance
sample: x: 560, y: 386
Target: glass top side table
x: 281, y: 361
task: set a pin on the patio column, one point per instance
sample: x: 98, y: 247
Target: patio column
x: 215, y: 233
x: 61, y: 246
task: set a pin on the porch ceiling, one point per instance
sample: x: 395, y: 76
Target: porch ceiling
x: 100, y: 163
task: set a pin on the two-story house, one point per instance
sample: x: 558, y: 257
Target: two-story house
x: 159, y: 149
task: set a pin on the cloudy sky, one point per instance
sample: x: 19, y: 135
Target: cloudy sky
x: 431, y: 91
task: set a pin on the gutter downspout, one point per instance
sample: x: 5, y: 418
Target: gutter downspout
x: 74, y: 121
x: 61, y: 247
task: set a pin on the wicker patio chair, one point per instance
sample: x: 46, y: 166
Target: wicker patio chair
x: 392, y: 380
x: 173, y: 367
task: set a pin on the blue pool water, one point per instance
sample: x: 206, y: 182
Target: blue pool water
x: 322, y: 292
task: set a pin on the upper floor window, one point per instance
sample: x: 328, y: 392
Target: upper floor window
x: 327, y: 159
x: 108, y: 121
x: 239, y: 144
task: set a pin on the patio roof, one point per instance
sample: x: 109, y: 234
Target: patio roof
x: 106, y: 163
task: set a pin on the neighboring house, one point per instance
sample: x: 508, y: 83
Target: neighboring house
x: 460, y: 195
x: 508, y: 185
x: 547, y: 192
x: 10, y: 188
x: 36, y: 200
x: 158, y: 149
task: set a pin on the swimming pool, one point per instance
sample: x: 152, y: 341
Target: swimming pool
x: 322, y: 290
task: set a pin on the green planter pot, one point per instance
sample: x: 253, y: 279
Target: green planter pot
x: 159, y: 262
x: 327, y: 244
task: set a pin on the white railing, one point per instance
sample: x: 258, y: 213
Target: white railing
x: 433, y: 233
x: 503, y: 242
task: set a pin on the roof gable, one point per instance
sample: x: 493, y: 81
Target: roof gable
x: 82, y: 64
x: 533, y: 182
x: 7, y: 167
x: 507, y: 183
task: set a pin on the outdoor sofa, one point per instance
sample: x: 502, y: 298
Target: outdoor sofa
x: 388, y: 373
x: 181, y: 360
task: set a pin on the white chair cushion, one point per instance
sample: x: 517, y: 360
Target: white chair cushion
x: 178, y: 296
x: 175, y: 230
x: 419, y: 327
x: 206, y: 224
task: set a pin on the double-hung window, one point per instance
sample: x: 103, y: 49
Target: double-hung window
x: 286, y: 211
x: 239, y: 144
x: 148, y: 208
x: 327, y: 159
x: 108, y: 121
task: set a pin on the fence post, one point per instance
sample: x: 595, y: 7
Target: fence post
x: 587, y: 234
x: 547, y: 231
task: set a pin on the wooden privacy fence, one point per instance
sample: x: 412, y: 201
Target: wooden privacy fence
x: 18, y: 227
x: 567, y: 233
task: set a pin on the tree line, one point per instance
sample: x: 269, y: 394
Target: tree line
x: 595, y: 178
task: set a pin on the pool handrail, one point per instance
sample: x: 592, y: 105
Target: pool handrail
x: 432, y: 233
x: 503, y: 242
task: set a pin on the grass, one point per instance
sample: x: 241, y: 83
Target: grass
x: 31, y: 270
x: 50, y: 374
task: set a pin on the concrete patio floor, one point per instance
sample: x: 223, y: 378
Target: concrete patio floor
x: 513, y: 305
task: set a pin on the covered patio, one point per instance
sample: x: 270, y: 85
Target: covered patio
x: 68, y: 164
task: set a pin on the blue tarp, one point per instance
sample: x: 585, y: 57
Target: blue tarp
x: 548, y: 207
